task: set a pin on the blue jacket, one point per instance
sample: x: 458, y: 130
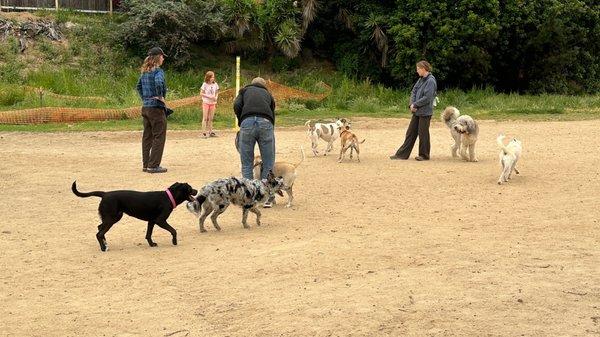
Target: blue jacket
x: 423, y: 94
x: 152, y: 84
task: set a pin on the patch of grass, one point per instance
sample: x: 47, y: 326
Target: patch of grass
x: 10, y: 95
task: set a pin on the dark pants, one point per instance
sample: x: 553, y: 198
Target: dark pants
x: 155, y: 134
x: 419, y: 126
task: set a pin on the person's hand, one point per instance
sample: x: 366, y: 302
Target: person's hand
x: 412, y: 108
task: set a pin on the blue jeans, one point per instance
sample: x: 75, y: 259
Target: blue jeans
x: 254, y: 130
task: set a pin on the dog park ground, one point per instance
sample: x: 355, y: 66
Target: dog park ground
x: 377, y: 248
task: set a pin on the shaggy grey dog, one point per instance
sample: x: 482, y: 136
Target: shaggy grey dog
x: 464, y: 130
x: 216, y: 196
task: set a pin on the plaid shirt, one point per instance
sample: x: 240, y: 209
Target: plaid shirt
x: 150, y: 85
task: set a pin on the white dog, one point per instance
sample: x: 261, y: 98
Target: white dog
x: 329, y: 132
x: 508, y: 157
x: 464, y: 130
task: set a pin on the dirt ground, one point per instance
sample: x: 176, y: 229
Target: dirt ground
x: 377, y: 248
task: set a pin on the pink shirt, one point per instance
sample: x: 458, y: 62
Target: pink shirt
x: 209, y: 89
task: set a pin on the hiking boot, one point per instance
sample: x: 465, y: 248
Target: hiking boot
x: 421, y: 158
x: 268, y: 204
x: 394, y: 157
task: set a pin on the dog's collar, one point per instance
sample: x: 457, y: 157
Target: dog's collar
x: 173, y: 203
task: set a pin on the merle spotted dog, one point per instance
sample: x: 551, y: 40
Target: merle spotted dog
x: 216, y: 196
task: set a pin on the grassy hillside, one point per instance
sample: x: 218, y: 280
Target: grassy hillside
x: 89, y: 63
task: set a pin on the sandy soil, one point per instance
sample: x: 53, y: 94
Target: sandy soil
x: 377, y: 248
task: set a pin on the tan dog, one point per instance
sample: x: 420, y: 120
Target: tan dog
x: 464, y: 130
x: 349, y: 141
x: 281, y: 169
x: 329, y: 132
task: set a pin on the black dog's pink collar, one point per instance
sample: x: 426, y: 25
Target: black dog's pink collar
x: 173, y: 203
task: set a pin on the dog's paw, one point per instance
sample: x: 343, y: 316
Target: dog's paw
x: 153, y: 244
x: 174, y: 241
x: 246, y: 226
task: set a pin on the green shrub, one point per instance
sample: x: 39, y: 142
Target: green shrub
x: 10, y: 95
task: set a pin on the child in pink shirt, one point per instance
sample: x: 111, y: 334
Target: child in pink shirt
x: 210, y: 93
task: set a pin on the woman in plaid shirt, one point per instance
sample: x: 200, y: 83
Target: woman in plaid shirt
x: 152, y: 89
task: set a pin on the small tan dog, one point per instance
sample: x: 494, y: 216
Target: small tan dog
x: 281, y: 169
x: 349, y: 141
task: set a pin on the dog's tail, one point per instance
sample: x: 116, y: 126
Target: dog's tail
x: 500, y: 141
x: 362, y: 141
x: 85, y: 195
x: 301, y: 160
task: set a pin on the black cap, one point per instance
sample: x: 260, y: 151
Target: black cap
x: 156, y: 51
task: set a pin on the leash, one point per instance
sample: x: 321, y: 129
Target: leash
x: 173, y: 203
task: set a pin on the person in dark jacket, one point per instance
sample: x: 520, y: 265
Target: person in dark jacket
x: 421, y: 105
x: 152, y: 89
x: 255, y: 111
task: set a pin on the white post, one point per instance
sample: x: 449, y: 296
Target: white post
x: 110, y: 7
x: 56, y: 5
x: 237, y: 84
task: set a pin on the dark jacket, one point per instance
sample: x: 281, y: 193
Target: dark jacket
x: 254, y: 100
x: 423, y: 94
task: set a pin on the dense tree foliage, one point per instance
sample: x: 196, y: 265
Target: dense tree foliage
x: 512, y: 45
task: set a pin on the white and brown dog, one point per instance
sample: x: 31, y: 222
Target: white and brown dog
x: 349, y: 141
x: 281, y: 169
x: 329, y: 132
x: 509, y: 155
x: 464, y: 130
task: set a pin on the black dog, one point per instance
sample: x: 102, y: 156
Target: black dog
x: 154, y: 207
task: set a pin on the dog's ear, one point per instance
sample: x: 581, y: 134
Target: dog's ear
x: 470, y: 125
x: 347, y: 127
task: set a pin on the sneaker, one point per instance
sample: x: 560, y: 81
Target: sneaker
x: 157, y: 169
x: 420, y: 158
x: 268, y: 204
x: 204, y: 135
x: 212, y: 134
x: 395, y: 157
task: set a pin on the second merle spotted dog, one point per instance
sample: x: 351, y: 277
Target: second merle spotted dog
x: 216, y: 196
